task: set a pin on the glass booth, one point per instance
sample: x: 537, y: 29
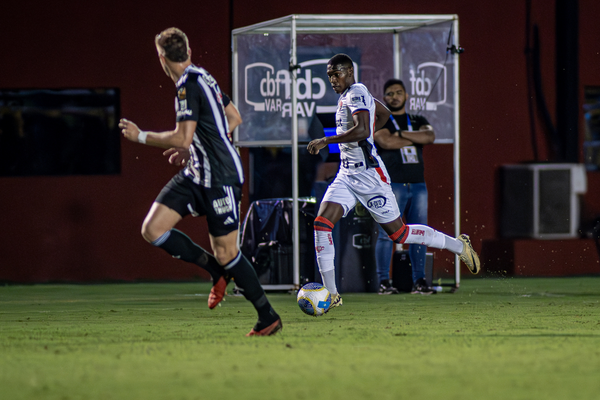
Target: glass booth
x: 282, y: 91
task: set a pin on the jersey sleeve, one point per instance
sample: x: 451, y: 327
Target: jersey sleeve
x: 188, y: 100
x: 226, y: 100
x: 359, y: 99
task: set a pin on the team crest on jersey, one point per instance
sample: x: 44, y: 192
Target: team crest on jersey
x: 181, y: 93
x: 358, y: 99
x: 377, y: 202
x: 210, y: 81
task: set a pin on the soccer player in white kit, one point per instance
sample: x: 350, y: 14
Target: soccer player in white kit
x: 363, y: 177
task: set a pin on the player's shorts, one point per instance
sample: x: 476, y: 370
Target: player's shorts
x: 219, y: 204
x: 368, y: 188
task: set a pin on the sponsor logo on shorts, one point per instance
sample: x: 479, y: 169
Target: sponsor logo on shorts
x: 377, y: 202
x: 185, y: 112
x: 419, y: 232
x: 228, y: 221
x: 330, y: 239
x: 319, y: 248
x: 222, y: 205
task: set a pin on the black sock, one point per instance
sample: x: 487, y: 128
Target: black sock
x: 246, y: 279
x: 179, y: 245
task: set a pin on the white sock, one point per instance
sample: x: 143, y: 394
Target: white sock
x: 423, y: 234
x: 329, y: 281
x: 325, y: 259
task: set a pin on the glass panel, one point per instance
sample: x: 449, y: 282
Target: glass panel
x: 265, y: 81
x: 428, y: 74
x: 591, y: 113
x: 264, y: 87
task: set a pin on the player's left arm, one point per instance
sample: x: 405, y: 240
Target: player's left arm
x: 382, y: 114
x: 181, y: 136
x: 234, y: 119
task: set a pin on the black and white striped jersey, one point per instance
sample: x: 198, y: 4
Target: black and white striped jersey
x: 213, y: 160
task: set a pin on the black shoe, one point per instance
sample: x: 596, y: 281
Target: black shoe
x: 420, y: 287
x: 386, y: 288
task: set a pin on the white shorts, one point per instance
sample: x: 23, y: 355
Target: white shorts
x: 368, y: 188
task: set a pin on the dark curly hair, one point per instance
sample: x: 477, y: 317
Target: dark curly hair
x: 341, y: 58
x: 175, y: 44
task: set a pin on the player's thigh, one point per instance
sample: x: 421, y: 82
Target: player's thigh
x: 377, y: 197
x: 221, y: 206
x: 159, y: 220
x: 339, y: 192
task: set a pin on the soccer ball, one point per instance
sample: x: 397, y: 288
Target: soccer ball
x: 314, y: 299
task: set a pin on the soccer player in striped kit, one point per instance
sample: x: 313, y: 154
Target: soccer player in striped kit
x: 210, y: 184
x: 362, y: 177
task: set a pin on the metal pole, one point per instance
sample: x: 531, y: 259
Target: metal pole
x: 296, y: 211
x: 235, y: 94
x: 456, y: 155
x: 397, y: 56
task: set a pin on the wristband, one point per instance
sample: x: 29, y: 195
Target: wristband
x: 142, y: 137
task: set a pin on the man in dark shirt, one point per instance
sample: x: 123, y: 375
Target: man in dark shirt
x: 210, y: 184
x: 400, y: 145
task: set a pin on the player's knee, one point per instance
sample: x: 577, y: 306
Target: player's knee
x: 225, y: 255
x: 150, y: 232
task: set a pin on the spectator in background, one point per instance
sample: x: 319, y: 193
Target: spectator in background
x: 400, y: 145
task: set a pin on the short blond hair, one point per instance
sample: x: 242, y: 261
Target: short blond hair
x: 175, y: 44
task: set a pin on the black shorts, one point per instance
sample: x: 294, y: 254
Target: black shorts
x: 219, y: 204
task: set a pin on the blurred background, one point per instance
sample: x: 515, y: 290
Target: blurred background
x: 529, y: 93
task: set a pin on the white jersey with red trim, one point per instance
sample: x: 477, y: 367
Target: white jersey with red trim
x: 355, y: 157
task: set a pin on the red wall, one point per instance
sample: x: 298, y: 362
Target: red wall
x: 87, y: 228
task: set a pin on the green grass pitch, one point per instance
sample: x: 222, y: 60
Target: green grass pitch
x: 504, y: 338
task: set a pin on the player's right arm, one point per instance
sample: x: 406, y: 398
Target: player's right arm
x: 181, y: 136
x: 360, y: 131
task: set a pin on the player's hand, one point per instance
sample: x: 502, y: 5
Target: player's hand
x: 315, y: 145
x: 129, y: 129
x: 177, y: 155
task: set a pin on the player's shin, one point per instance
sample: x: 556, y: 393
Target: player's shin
x: 247, y: 281
x: 179, y: 245
x: 325, y: 259
x: 423, y: 234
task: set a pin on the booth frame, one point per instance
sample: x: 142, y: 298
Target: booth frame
x: 339, y: 24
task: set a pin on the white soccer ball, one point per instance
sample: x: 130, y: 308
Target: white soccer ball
x: 314, y: 299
